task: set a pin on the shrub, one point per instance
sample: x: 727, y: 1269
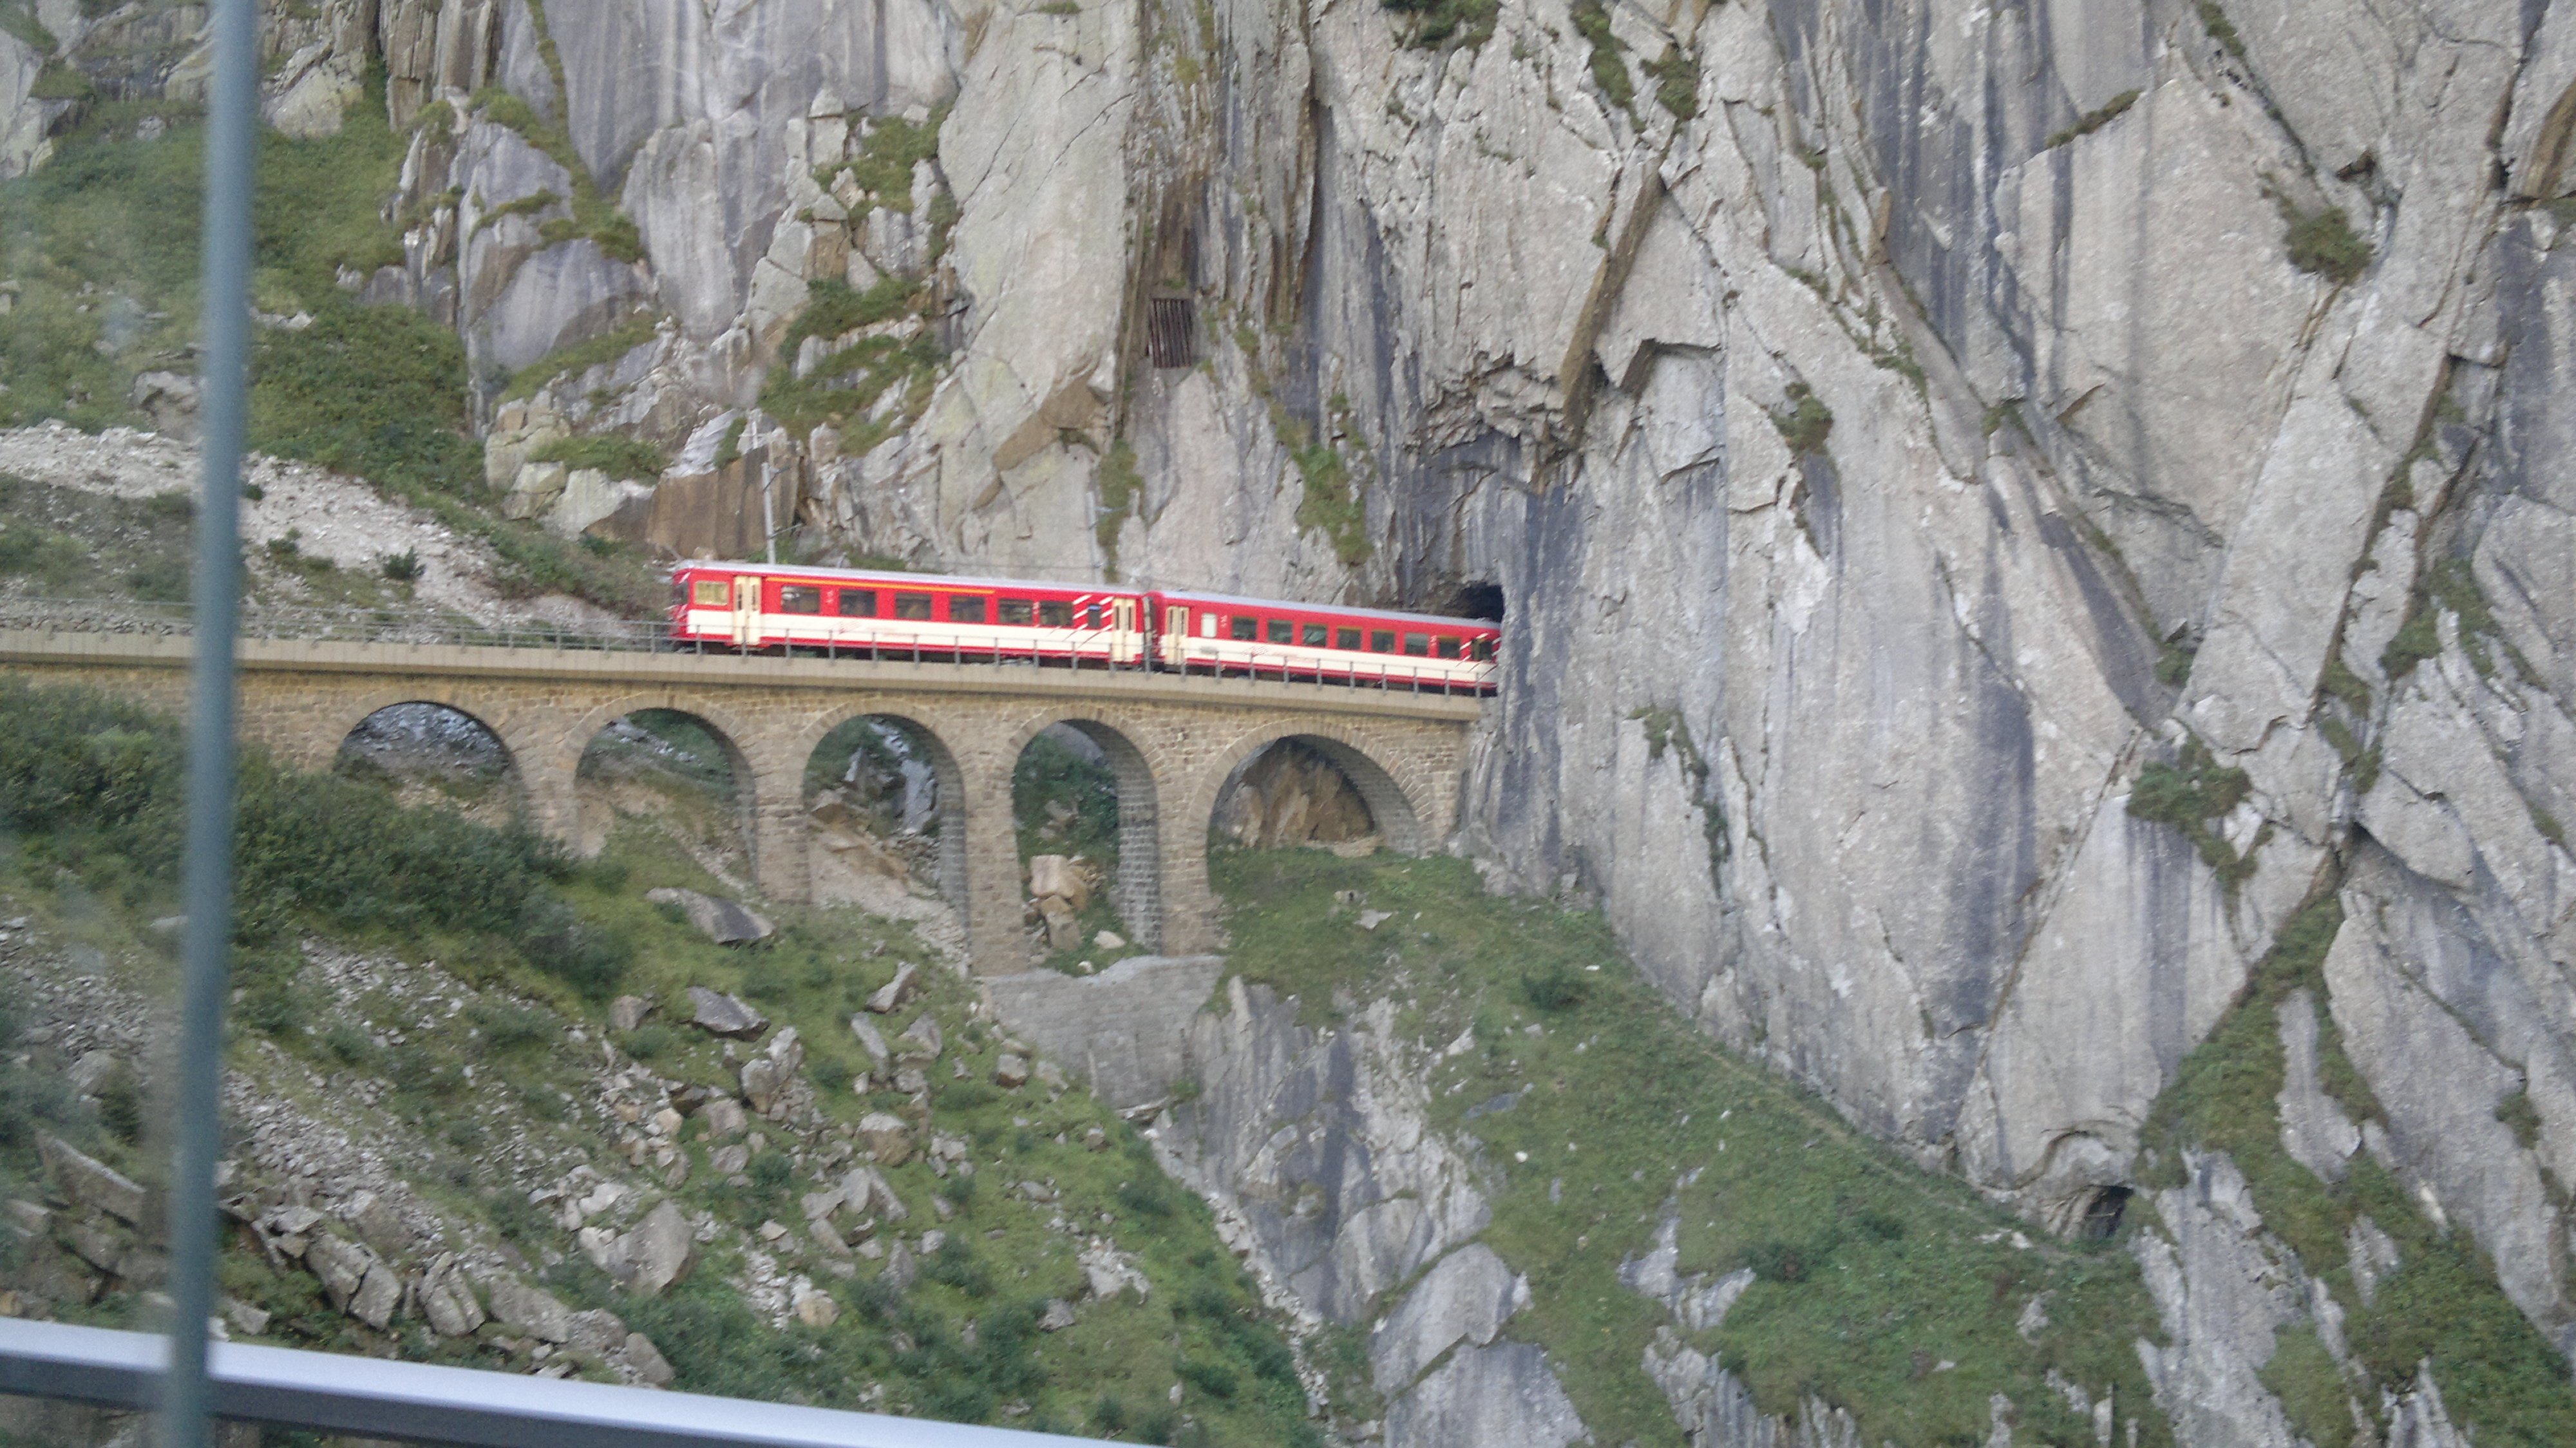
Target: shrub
x: 1214, y: 1379
x: 2323, y: 242
x: 1560, y: 987
x: 403, y: 567
x: 1807, y: 423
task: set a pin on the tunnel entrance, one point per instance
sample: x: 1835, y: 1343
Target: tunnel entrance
x: 2102, y: 1213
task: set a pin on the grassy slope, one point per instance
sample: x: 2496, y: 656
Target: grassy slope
x: 90, y: 887
x: 102, y: 241
x: 1873, y: 1273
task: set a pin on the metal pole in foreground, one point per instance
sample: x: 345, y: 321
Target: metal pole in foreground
x: 207, y: 882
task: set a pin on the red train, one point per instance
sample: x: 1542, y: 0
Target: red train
x: 927, y: 616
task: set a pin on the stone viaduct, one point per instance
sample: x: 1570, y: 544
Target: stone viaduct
x: 1174, y: 742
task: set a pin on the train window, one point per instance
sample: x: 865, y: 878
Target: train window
x: 1482, y: 650
x: 914, y: 606
x: 858, y: 603
x: 712, y: 593
x: 1417, y: 644
x: 1247, y: 629
x: 797, y: 598
x: 1016, y: 610
x: 1055, y: 613
x: 1314, y: 635
x: 1448, y: 647
x: 1282, y: 631
x: 1348, y: 638
x: 1381, y: 641
x: 1091, y: 615
x: 962, y: 609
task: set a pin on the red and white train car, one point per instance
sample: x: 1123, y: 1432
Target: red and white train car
x: 1219, y: 634
x: 755, y: 606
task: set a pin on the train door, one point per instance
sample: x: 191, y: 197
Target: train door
x: 1176, y: 635
x: 1124, y: 644
x: 746, y: 612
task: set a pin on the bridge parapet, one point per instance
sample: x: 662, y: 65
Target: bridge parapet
x: 308, y: 677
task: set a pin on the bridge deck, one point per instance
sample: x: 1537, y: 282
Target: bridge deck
x: 113, y: 650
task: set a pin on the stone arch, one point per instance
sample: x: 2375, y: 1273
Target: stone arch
x: 755, y: 778
x: 1398, y: 807
x: 1137, y: 892
x: 369, y: 706
x: 947, y: 773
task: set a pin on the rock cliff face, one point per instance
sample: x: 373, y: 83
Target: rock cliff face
x: 1997, y: 504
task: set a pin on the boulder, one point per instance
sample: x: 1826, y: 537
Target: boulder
x: 628, y: 1012
x: 718, y: 1014
x: 1057, y: 1317
x: 767, y: 1077
x: 529, y: 1311
x: 660, y: 1251
x: 888, y: 1136
x: 1109, y: 940
x: 341, y: 1265
x: 864, y: 1192
x: 93, y: 1068
x: 1106, y: 1271
x: 379, y: 1225
x: 1058, y: 877
x: 378, y: 1294
x: 920, y: 1041
x: 901, y: 1270
x: 1063, y: 926
x: 599, y: 1332
x: 723, y: 1117
x: 447, y: 1299
x: 814, y: 1307
x: 870, y: 1041
x: 91, y: 1182
x: 891, y: 996
x: 1011, y: 1071
x: 647, y: 1361
x: 723, y: 921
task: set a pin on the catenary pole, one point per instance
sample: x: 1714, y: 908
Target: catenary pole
x: 207, y: 877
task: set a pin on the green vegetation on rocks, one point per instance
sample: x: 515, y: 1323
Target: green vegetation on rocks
x: 1807, y: 422
x: 1599, y: 1111
x: 1609, y: 63
x: 525, y: 1071
x: 2323, y: 242
x: 580, y: 357
x: 2440, y: 1305
x: 619, y: 457
x: 2193, y: 794
x: 1448, y: 22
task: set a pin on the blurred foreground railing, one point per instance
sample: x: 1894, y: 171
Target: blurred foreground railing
x: 370, y: 1397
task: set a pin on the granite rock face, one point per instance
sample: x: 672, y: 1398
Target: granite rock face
x: 1890, y: 439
